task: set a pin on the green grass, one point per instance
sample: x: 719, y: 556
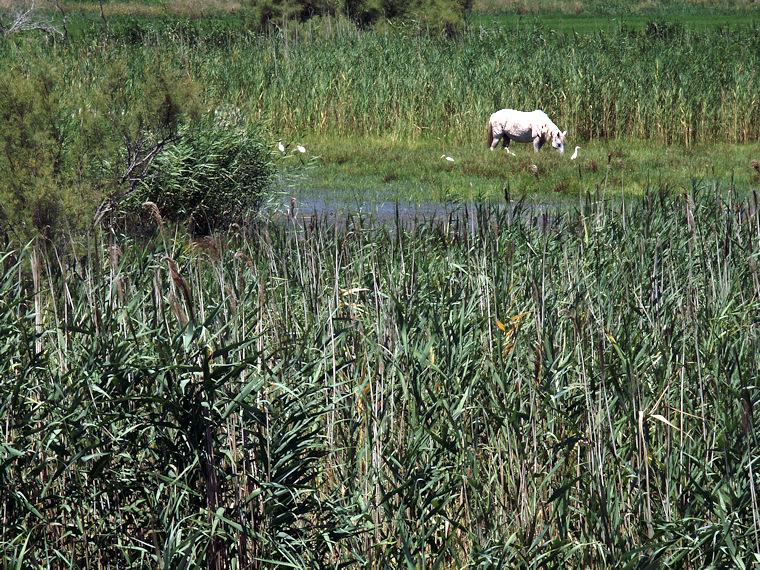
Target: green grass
x: 380, y: 107
x: 612, y: 23
x: 361, y: 169
x: 588, y: 18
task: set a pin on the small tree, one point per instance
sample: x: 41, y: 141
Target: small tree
x: 135, y: 115
x: 31, y: 193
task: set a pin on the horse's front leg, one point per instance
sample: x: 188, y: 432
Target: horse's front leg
x: 495, y: 142
x: 538, y: 142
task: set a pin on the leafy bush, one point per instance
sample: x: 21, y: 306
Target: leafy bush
x: 210, y: 175
x: 432, y: 15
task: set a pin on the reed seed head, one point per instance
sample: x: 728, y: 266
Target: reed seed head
x: 244, y: 257
x: 156, y: 213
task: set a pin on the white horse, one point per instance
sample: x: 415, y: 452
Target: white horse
x: 521, y: 126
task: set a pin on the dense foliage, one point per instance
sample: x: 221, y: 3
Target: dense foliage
x: 520, y: 386
x: 427, y: 15
x: 666, y: 83
x: 77, y: 139
x: 212, y: 175
x: 502, y: 388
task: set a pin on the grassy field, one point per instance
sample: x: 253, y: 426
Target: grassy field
x: 376, y: 170
x: 584, y: 17
x: 567, y: 380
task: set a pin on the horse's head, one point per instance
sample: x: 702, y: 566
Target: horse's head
x: 558, y: 141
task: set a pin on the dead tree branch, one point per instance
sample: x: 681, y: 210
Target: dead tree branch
x: 26, y: 17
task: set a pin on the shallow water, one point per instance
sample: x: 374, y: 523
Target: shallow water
x: 304, y: 211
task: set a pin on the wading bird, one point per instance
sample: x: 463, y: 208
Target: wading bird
x: 575, y: 154
x: 300, y: 148
x: 281, y: 147
x: 447, y: 158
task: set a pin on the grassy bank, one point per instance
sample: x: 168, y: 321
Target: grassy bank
x: 353, y: 169
x: 506, y: 389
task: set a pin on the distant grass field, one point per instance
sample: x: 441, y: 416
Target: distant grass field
x: 585, y: 24
x: 590, y: 17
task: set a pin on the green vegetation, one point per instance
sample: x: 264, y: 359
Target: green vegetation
x: 212, y: 176
x: 661, y: 94
x: 502, y: 388
x: 370, y: 169
x: 445, y: 16
x: 673, y: 87
x: 564, y: 380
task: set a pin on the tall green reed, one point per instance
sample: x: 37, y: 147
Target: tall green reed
x: 671, y: 85
x: 494, y: 387
x: 666, y: 82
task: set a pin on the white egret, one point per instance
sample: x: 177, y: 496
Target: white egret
x: 281, y: 147
x: 447, y: 158
x: 575, y: 154
x: 300, y: 148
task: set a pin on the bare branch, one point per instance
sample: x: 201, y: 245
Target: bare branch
x: 65, y: 16
x: 23, y: 17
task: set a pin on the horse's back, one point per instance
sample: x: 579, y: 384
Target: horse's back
x: 517, y: 125
x: 515, y: 117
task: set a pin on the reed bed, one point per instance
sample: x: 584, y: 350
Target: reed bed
x: 666, y: 82
x: 501, y: 387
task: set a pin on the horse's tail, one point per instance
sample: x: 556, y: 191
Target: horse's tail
x: 489, y: 134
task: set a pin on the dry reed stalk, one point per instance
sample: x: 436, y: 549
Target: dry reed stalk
x: 36, y: 263
x: 246, y: 259
x: 115, y: 258
x: 209, y: 246
x: 179, y: 282
x: 156, y: 215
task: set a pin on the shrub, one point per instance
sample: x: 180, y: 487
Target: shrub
x: 429, y: 15
x: 210, y: 175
